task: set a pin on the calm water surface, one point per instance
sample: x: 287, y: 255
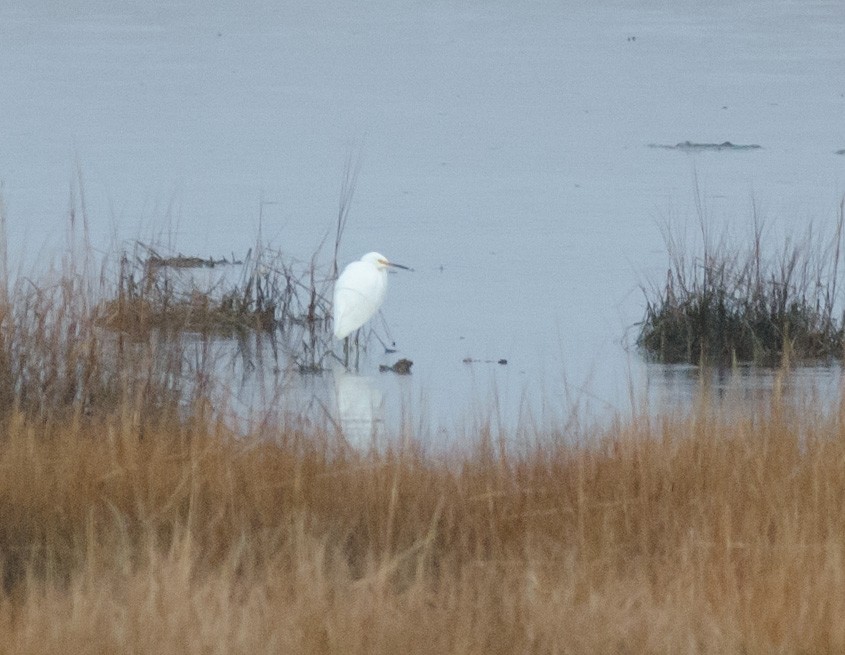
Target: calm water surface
x: 503, y: 153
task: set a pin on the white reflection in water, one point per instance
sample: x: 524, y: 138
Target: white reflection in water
x: 360, y: 410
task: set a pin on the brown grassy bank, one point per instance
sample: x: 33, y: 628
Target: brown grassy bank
x: 702, y: 535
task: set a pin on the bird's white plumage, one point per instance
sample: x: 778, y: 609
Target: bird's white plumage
x: 359, y: 292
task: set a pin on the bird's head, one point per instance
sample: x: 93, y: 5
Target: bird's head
x: 380, y: 261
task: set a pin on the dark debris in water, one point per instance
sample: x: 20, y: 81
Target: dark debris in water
x: 401, y: 367
x: 694, y: 147
x: 472, y: 360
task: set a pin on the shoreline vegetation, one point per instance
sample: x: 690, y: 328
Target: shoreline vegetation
x: 133, y: 518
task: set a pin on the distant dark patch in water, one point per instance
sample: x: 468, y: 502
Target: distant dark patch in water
x: 840, y: 152
x: 690, y: 146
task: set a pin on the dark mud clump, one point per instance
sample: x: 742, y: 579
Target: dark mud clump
x: 401, y: 367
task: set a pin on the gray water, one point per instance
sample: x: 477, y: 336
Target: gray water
x: 502, y: 151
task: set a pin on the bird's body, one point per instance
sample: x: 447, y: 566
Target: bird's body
x: 359, y: 292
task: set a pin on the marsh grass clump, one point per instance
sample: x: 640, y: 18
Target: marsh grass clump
x: 179, y: 293
x: 733, y: 303
x: 266, y: 295
x: 267, y: 292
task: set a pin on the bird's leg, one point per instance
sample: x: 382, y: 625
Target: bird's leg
x: 357, y: 349
x: 346, y: 352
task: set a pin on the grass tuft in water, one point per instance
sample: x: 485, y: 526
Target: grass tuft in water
x: 272, y: 293
x: 735, y: 304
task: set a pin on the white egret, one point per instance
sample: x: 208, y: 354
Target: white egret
x: 359, y: 292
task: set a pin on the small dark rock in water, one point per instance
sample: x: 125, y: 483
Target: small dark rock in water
x: 502, y: 362
x: 840, y: 152
x: 402, y: 367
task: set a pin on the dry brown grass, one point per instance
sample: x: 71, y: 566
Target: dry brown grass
x: 698, y: 535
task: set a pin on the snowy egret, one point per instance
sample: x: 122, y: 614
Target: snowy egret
x: 359, y: 292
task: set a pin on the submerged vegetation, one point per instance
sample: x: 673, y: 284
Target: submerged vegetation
x: 735, y: 304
